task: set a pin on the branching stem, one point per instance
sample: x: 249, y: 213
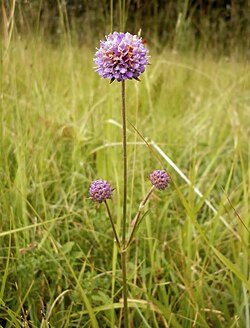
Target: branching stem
x: 138, y: 215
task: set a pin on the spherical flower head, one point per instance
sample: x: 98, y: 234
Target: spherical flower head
x: 160, y: 179
x: 121, y: 56
x: 100, y: 190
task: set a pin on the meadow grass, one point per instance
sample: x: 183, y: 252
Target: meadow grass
x: 60, y: 129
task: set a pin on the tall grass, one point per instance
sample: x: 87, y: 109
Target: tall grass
x: 220, y: 26
x: 60, y: 129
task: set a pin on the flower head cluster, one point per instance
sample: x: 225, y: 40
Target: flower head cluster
x: 100, y: 190
x: 121, y: 56
x: 160, y: 179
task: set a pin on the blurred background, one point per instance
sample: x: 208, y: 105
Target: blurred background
x: 181, y: 24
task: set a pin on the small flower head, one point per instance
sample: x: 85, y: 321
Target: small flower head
x: 160, y: 179
x: 100, y: 190
x: 121, y: 56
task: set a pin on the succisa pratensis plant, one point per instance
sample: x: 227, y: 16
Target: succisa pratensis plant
x: 121, y: 57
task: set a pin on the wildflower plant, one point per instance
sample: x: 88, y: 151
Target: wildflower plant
x: 123, y: 56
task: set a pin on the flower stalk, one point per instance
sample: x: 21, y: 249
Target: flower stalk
x: 124, y: 150
x: 124, y: 212
x: 136, y: 220
x: 112, y: 224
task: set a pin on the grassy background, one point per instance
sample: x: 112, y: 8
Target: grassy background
x: 60, y: 129
x: 218, y: 25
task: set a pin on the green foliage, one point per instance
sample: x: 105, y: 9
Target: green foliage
x: 218, y: 25
x: 59, y: 126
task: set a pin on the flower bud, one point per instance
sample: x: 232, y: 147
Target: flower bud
x: 100, y: 190
x: 160, y: 179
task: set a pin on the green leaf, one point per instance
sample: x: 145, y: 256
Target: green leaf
x: 66, y: 248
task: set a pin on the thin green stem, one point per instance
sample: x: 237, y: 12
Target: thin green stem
x: 112, y: 224
x: 122, y: 9
x: 124, y: 263
x: 123, y: 14
x: 111, y: 15
x: 138, y: 215
x: 120, y: 14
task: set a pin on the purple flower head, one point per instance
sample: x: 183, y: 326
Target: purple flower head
x: 121, y: 56
x: 100, y: 190
x: 160, y: 179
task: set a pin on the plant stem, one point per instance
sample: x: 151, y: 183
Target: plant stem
x: 111, y: 15
x: 122, y: 8
x: 124, y: 147
x: 125, y: 288
x: 124, y: 214
x: 112, y: 224
x: 138, y: 215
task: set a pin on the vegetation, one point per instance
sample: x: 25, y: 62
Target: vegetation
x: 214, y: 24
x: 60, y: 129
